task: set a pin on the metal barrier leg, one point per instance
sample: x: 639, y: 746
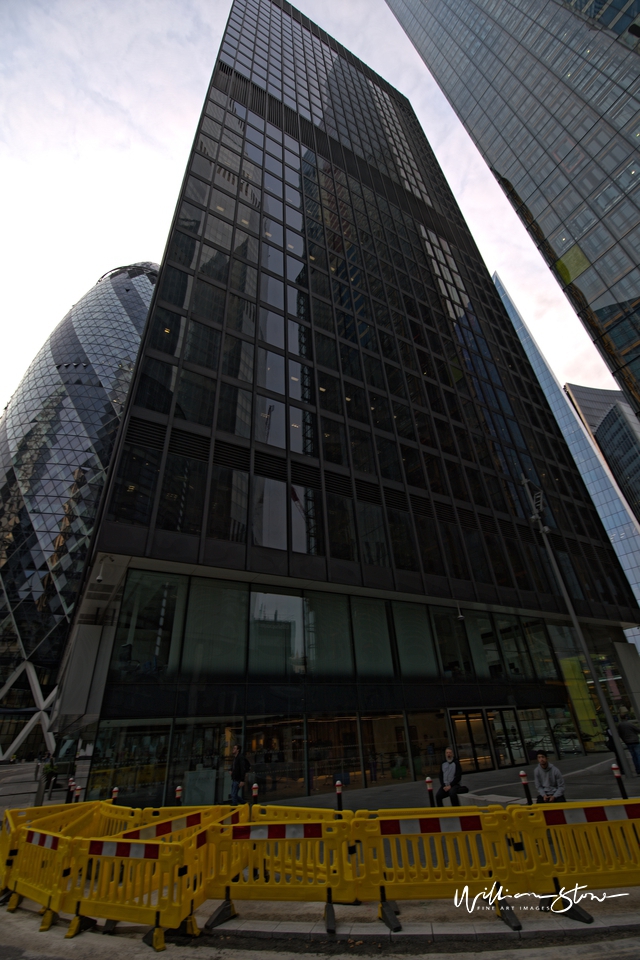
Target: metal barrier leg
x: 155, y: 937
x: 507, y: 914
x: 329, y: 914
x: 575, y: 912
x: 226, y: 911
x: 387, y: 914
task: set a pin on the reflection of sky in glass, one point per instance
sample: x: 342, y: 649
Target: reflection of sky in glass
x: 310, y: 76
x: 284, y: 609
x: 616, y: 516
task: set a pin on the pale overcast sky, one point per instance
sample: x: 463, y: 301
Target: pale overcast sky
x: 99, y: 100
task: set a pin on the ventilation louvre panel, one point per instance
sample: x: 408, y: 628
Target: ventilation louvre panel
x: 368, y: 492
x: 467, y: 519
x: 189, y: 445
x: 305, y: 475
x: 265, y: 465
x: 337, y: 484
x: 488, y: 524
x: 396, y: 499
x: 146, y: 433
x: 228, y: 455
x: 445, y: 512
x: 421, y: 506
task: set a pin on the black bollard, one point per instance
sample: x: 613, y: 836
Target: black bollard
x: 621, y: 787
x: 525, y: 787
x: 339, y: 795
x: 429, y: 783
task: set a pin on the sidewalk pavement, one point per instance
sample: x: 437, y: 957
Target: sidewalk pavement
x: 587, y: 778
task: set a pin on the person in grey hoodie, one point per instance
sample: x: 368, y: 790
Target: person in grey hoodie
x: 450, y: 776
x: 548, y: 780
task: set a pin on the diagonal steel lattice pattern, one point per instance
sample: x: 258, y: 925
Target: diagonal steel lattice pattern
x: 56, y: 439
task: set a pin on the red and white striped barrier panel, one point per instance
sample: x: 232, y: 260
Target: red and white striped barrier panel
x: 45, y: 840
x: 117, y: 848
x: 164, y: 827
x: 557, y: 817
x: 278, y: 831
x: 391, y: 828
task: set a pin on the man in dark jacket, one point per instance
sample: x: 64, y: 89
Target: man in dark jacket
x: 239, y: 769
x: 450, y: 776
x: 629, y: 734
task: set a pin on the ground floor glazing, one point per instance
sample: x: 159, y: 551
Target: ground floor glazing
x: 305, y: 755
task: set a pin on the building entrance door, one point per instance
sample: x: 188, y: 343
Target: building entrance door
x: 472, y: 741
x: 505, y: 737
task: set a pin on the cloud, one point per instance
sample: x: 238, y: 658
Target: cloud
x: 99, y: 105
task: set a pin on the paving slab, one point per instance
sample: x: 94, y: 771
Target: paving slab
x: 421, y: 931
x: 294, y: 928
x: 454, y: 931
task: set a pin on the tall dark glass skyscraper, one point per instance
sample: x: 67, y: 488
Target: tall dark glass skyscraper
x: 549, y: 92
x: 315, y: 540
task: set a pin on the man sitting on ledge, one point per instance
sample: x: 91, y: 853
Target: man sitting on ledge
x: 450, y: 776
x: 549, y: 781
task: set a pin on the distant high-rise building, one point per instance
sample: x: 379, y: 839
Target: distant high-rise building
x: 549, y: 92
x: 56, y: 441
x: 315, y: 541
x: 615, y: 428
x: 617, y: 516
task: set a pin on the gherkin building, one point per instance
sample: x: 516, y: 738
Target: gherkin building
x: 56, y: 439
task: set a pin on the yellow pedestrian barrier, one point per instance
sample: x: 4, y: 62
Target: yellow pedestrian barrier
x: 301, y: 861
x: 272, y: 813
x: 149, y: 814
x: 56, y: 816
x: 392, y: 812
x: 431, y: 856
x: 41, y: 861
x: 157, y: 866
x: 98, y: 818
x: 125, y: 880
x: 596, y: 843
x: 192, y: 820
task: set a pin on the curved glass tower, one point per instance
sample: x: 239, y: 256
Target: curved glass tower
x: 56, y: 439
x: 548, y: 91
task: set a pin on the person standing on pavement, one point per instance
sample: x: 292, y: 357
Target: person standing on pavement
x: 629, y: 734
x: 450, y: 776
x: 239, y: 770
x: 548, y: 780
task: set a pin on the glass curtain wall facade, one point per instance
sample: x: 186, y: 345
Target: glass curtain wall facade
x: 615, y: 428
x: 550, y: 94
x: 56, y: 441
x: 321, y: 460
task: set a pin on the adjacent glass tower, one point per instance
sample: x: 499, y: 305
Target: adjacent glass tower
x: 579, y: 424
x: 56, y: 441
x: 550, y: 93
x: 616, y: 430
x: 315, y: 541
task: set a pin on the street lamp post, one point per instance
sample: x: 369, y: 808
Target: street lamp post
x: 536, y: 502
